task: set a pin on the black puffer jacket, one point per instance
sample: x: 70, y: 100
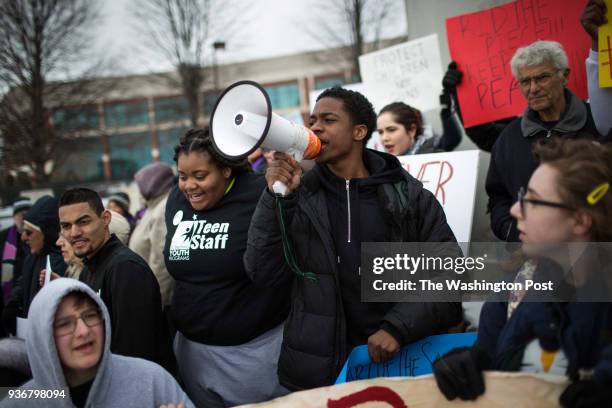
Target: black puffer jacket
x: 315, y: 345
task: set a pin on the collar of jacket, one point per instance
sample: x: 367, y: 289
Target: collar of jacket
x: 572, y: 120
x: 394, y: 198
x: 103, y: 254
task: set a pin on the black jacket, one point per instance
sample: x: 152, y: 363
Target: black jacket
x: 44, y: 215
x: 214, y: 300
x: 512, y: 161
x: 315, y: 338
x: 130, y: 291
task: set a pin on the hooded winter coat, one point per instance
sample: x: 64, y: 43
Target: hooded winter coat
x: 154, y: 182
x: 326, y: 315
x: 43, y: 215
x: 119, y: 382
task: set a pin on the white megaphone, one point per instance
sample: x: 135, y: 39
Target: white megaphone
x: 242, y: 121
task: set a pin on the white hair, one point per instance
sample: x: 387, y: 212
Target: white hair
x: 539, y: 52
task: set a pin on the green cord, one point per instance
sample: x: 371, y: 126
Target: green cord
x: 229, y: 187
x: 287, y: 249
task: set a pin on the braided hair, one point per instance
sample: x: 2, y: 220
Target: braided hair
x: 199, y: 140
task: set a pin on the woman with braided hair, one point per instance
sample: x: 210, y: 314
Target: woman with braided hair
x: 229, y: 330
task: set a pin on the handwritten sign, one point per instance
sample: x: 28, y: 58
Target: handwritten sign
x: 412, y: 360
x: 503, y: 389
x: 605, y: 49
x: 451, y: 177
x: 484, y: 42
x: 410, y: 72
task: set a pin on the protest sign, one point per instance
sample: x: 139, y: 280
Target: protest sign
x: 502, y: 390
x: 451, y: 177
x: 605, y: 49
x: 484, y: 42
x: 410, y: 72
x: 412, y: 360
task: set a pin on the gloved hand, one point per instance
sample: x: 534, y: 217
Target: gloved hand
x: 452, y: 77
x: 586, y: 394
x: 459, y: 373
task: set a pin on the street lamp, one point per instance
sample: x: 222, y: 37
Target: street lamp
x: 217, y: 45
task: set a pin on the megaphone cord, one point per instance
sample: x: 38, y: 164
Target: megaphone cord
x: 287, y: 249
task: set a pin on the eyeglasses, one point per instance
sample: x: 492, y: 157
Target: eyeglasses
x: 522, y: 200
x: 67, y: 325
x: 541, y: 79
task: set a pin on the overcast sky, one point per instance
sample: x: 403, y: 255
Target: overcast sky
x: 275, y: 27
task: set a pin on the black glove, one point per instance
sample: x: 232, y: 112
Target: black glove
x: 586, y: 394
x: 459, y: 373
x: 452, y: 78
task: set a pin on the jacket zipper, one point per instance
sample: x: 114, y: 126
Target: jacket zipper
x: 348, y: 206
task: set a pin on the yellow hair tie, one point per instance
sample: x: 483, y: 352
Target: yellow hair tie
x: 598, y: 193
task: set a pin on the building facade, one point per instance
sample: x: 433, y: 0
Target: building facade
x: 138, y: 119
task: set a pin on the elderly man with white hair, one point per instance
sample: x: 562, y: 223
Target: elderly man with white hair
x: 541, y: 70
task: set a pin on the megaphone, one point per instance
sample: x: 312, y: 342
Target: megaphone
x: 242, y: 121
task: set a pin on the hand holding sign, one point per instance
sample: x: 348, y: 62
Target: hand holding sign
x: 382, y: 346
x: 484, y: 42
x: 593, y: 16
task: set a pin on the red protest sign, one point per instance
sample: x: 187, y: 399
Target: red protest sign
x: 484, y: 42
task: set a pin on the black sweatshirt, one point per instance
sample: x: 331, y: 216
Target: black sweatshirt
x: 214, y: 301
x: 367, y: 224
x: 131, y: 293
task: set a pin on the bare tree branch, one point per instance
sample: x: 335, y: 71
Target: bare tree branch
x: 38, y: 39
x: 349, y: 23
x: 182, y: 32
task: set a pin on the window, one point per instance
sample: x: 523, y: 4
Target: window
x: 79, y: 160
x: 284, y: 96
x: 119, y: 115
x: 76, y: 119
x: 168, y: 138
x: 325, y: 83
x: 128, y: 153
x: 171, y: 110
x: 210, y: 99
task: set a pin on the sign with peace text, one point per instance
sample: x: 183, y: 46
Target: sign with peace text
x: 484, y: 42
x: 410, y: 72
x: 451, y: 177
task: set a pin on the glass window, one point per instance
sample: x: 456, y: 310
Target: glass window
x: 124, y: 114
x: 79, y: 160
x: 284, y: 96
x: 168, y: 138
x: 210, y: 99
x: 128, y: 153
x: 76, y: 119
x: 171, y: 110
x: 328, y: 83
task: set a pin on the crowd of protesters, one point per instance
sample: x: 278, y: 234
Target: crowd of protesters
x: 237, y: 295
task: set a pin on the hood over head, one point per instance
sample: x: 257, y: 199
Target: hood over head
x: 47, y: 372
x: 44, y: 216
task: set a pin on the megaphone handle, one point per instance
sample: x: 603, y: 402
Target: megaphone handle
x: 279, y: 188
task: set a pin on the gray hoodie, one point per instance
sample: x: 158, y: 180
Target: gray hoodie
x: 120, y: 381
